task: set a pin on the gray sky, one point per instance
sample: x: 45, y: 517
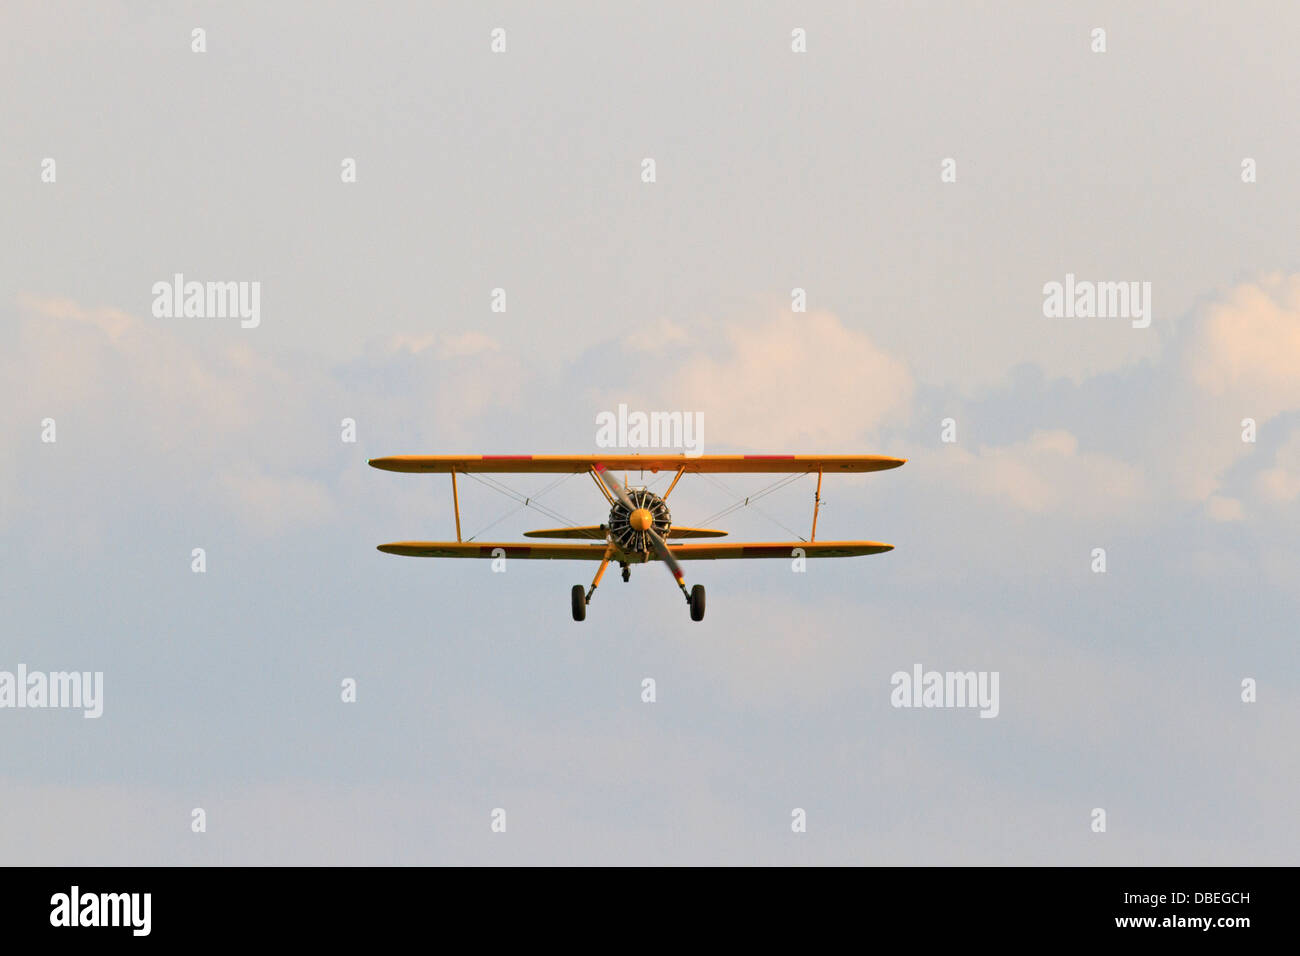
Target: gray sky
x: 775, y: 170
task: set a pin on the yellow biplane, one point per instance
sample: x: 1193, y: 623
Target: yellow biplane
x: 639, y: 527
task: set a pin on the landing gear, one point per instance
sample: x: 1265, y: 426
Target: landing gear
x: 581, y: 599
x: 697, y: 602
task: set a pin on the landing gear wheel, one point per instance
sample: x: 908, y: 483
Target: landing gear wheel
x: 697, y: 603
x: 627, y: 573
x: 580, y: 603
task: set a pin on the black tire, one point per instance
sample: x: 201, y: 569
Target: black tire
x: 697, y: 603
x: 579, y: 603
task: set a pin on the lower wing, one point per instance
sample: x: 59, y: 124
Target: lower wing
x: 597, y: 532
x: 457, y: 549
x: 778, y: 549
x: 596, y: 552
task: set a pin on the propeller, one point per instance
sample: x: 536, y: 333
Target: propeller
x: 645, y: 523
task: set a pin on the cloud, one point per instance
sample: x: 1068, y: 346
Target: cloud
x: 118, y: 373
x: 1238, y: 358
x: 801, y: 382
x: 188, y: 420
x: 1246, y: 348
x: 1047, y: 474
x: 235, y: 429
x: 467, y: 343
x: 444, y: 346
x: 270, y: 504
x: 113, y: 322
x: 657, y: 337
x: 1281, y: 483
x: 1220, y: 508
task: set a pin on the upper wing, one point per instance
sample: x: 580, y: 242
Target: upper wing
x: 777, y: 549
x: 561, y: 464
x: 457, y: 549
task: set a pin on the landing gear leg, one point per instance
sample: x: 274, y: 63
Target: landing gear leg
x: 681, y: 583
x: 580, y: 601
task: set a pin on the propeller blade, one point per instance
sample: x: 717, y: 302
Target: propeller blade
x: 616, y: 486
x: 666, y: 556
x: 660, y: 546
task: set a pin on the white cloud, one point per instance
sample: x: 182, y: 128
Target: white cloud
x: 1240, y: 359
x: 270, y: 504
x: 1046, y: 473
x: 171, y: 414
x: 1247, y: 347
x: 1224, y: 509
x: 1281, y: 483
x: 467, y: 343
x: 658, y: 336
x: 795, y: 382
x: 459, y: 345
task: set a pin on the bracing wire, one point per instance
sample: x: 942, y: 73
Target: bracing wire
x: 747, y: 501
x: 525, y: 501
x: 489, y: 527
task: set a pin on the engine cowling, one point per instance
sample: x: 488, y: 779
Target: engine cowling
x: 629, y: 527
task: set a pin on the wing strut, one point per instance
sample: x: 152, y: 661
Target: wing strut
x: 680, y: 471
x: 455, y: 502
x: 817, y: 503
x: 601, y: 485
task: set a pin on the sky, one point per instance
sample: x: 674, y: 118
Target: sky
x: 774, y: 170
